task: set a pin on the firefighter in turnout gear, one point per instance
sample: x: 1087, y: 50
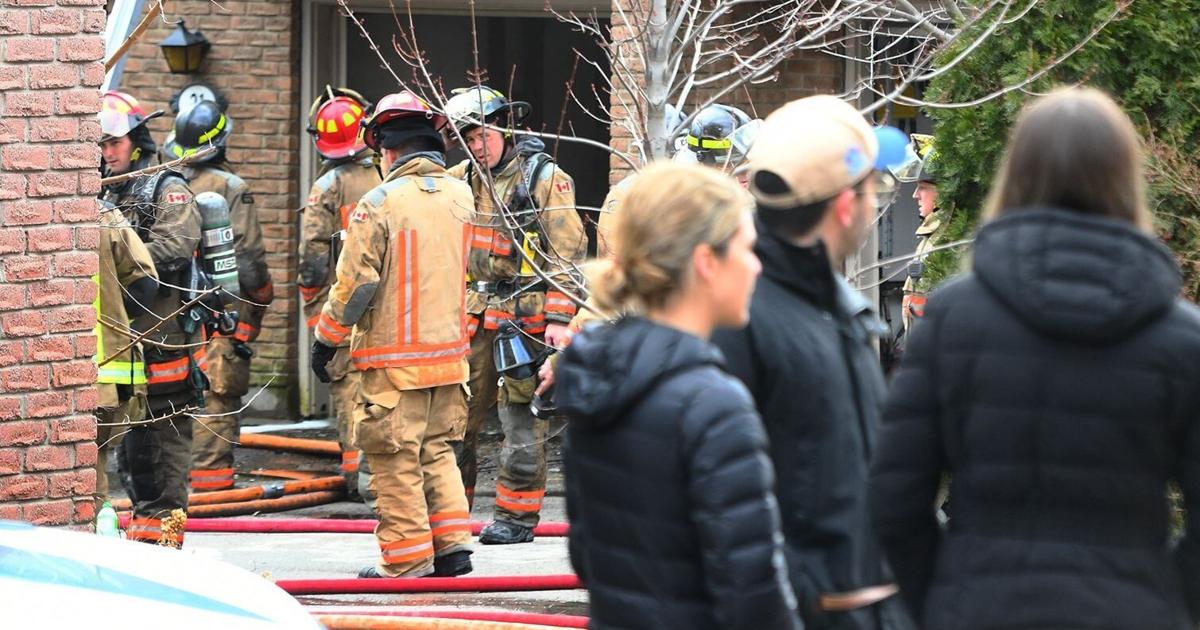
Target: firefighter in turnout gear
x: 348, y: 173
x: 214, y: 435
x: 719, y: 136
x: 399, y: 287
x: 154, y: 457
x: 125, y: 285
x: 921, y: 167
x: 524, y: 211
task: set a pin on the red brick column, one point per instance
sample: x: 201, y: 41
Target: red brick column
x: 49, y: 76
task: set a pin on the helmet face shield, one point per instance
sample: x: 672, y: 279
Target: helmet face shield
x: 115, y: 124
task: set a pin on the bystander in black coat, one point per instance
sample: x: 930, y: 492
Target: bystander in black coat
x: 673, y: 523
x: 1058, y: 385
x: 810, y: 364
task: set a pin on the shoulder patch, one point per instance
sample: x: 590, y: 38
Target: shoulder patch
x: 175, y: 197
x: 360, y: 214
x: 563, y: 186
x: 247, y: 197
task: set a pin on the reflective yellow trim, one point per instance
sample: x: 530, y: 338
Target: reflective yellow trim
x: 212, y: 133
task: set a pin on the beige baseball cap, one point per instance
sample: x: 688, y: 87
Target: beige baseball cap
x: 818, y: 146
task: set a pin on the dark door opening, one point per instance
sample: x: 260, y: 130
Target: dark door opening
x: 527, y: 58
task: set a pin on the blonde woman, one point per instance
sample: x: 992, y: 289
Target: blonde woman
x: 1056, y: 384
x: 669, y: 487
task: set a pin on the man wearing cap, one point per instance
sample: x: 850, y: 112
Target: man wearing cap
x: 400, y: 288
x: 807, y: 355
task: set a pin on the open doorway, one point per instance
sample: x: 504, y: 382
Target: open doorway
x: 527, y: 54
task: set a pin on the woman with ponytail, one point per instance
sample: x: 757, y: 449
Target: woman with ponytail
x: 669, y: 487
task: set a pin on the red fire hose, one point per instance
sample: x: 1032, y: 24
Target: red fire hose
x: 552, y: 621
x: 298, y: 445
x: 494, y: 584
x: 541, y: 619
x: 368, y: 622
x: 326, y: 526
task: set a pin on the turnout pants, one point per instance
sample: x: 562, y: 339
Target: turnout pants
x: 419, y: 493
x: 214, y: 436
x: 109, y: 435
x: 521, y: 484
x: 153, y: 460
x: 343, y: 394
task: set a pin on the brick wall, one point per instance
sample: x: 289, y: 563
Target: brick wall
x: 49, y: 74
x: 804, y: 74
x: 254, y: 62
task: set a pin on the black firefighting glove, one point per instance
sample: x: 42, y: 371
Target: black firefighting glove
x: 916, y: 268
x: 321, y: 356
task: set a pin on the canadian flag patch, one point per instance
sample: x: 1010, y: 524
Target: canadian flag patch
x: 178, y: 197
x: 563, y: 186
x: 313, y: 199
x: 360, y: 214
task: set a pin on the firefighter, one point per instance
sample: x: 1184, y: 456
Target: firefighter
x: 125, y: 285
x: 348, y: 173
x: 399, y: 287
x: 154, y: 457
x: 214, y: 436
x: 524, y: 210
x: 921, y: 167
x: 719, y: 136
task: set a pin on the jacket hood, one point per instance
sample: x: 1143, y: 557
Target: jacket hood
x: 1075, y: 276
x: 608, y: 369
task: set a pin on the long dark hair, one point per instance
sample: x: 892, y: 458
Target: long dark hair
x: 1073, y: 150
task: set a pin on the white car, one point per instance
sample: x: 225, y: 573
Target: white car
x: 51, y: 578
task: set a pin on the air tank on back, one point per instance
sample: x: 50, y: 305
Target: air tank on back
x: 217, y: 253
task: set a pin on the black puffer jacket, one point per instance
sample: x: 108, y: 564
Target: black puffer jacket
x: 1059, y: 387
x: 808, y: 360
x: 673, y: 524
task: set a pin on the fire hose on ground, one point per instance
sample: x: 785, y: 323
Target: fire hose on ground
x: 490, y: 584
x: 369, y: 622
x: 505, y: 616
x: 290, y: 502
x: 274, y: 490
x: 295, y: 445
x: 326, y: 526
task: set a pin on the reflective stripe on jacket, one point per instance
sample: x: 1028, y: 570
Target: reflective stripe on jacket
x: 399, y: 282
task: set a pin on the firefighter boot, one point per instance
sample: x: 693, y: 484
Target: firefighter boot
x: 452, y: 564
x: 505, y: 533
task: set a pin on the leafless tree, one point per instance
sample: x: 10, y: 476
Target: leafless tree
x: 701, y: 51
